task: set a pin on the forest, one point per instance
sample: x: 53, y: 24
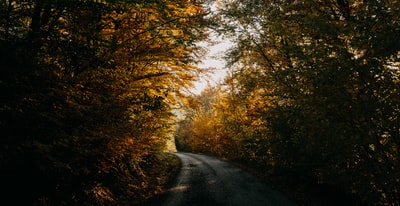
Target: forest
x: 313, y: 92
x: 95, y: 93
x: 88, y: 92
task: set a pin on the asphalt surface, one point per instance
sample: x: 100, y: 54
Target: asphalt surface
x: 207, y: 181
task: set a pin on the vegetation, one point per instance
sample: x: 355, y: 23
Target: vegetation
x: 88, y: 90
x: 313, y: 93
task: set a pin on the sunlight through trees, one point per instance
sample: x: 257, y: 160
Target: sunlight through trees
x: 313, y: 91
x: 91, y: 92
x: 88, y: 90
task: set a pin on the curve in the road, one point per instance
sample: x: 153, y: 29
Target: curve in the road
x: 207, y: 181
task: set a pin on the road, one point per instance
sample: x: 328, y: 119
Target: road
x: 207, y: 181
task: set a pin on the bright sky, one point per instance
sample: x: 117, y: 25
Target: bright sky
x: 213, y: 59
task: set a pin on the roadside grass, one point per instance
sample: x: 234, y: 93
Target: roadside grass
x: 162, y: 173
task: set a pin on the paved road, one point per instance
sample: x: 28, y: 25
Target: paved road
x: 206, y: 181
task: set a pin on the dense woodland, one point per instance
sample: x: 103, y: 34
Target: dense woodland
x: 313, y: 92
x: 90, y: 90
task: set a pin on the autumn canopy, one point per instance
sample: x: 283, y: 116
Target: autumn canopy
x: 91, y: 89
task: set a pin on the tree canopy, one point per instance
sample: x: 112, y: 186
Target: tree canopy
x: 88, y: 90
x: 313, y: 91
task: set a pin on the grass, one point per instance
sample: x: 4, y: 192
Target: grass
x: 164, y: 172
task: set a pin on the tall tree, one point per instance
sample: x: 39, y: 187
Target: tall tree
x: 88, y: 91
x: 330, y: 69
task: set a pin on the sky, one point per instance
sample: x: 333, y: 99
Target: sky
x: 213, y: 59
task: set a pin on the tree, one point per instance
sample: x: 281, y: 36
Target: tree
x: 329, y: 76
x: 88, y: 91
